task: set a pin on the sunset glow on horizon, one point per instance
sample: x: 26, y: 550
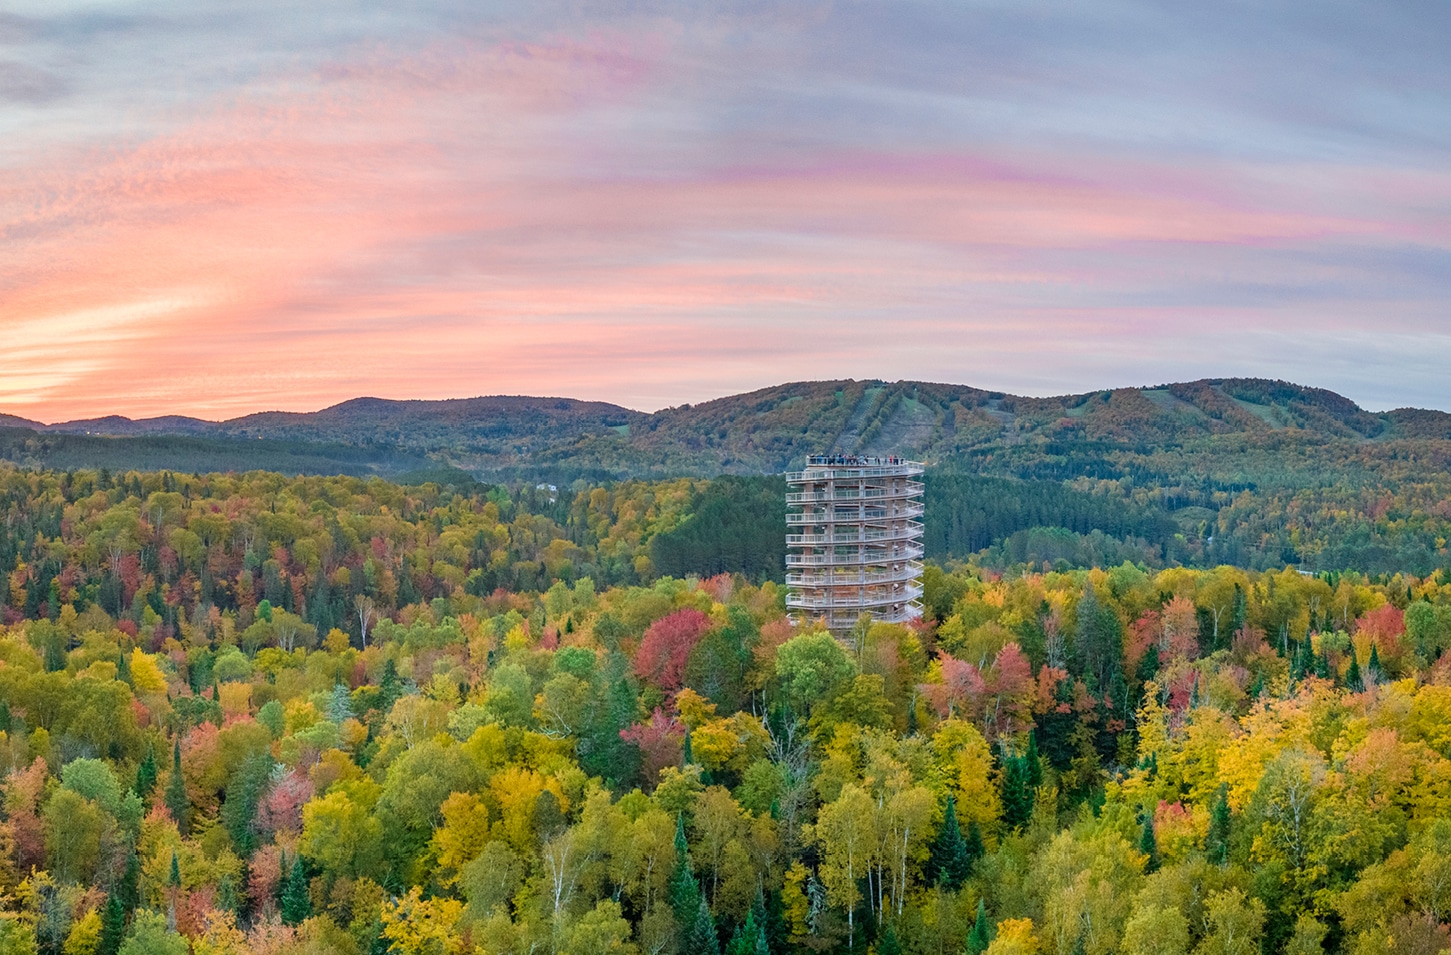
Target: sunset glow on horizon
x: 277, y: 208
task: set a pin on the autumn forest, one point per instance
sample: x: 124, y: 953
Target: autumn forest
x: 256, y: 713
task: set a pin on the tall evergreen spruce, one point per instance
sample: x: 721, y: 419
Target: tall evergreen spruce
x: 247, y: 786
x: 390, y: 684
x: 113, y: 926
x: 1149, y: 843
x: 1216, y: 842
x: 975, y: 848
x: 1148, y: 666
x: 1373, y: 668
x: 750, y: 935
x: 176, y: 800
x: 606, y: 754
x: 146, y: 774
x: 296, y: 904
x: 1353, y: 679
x: 173, y: 886
x: 683, y: 889
x: 339, y: 703
x: 129, y: 891
x: 887, y: 944
x: 1017, y: 795
x: 1033, y: 763
x: 699, y: 936
x: 227, y: 900
x: 949, y: 863
x: 981, y: 935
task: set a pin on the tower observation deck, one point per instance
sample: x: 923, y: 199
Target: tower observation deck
x: 854, y: 545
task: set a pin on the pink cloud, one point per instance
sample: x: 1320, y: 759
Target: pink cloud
x: 501, y: 219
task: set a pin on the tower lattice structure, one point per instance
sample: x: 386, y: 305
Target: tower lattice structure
x: 854, y: 544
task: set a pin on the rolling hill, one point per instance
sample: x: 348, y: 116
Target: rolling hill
x: 1238, y: 423
x: 1243, y: 471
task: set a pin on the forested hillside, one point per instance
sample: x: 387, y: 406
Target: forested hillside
x: 1241, y: 471
x: 303, y: 715
x: 1231, y: 431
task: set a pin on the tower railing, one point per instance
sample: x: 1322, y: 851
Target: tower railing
x: 854, y: 544
x: 908, y: 551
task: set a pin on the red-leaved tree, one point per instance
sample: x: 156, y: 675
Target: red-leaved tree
x: 667, y: 645
x: 961, y: 691
x: 660, y: 741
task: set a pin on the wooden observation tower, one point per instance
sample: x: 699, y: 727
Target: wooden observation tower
x: 854, y: 544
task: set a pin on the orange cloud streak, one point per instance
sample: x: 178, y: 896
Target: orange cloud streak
x: 436, y: 225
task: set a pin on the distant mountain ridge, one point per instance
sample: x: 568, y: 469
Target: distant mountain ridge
x: 771, y: 429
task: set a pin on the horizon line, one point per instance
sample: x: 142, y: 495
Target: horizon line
x: 804, y: 381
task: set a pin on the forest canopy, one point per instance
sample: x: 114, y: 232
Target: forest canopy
x: 250, y: 713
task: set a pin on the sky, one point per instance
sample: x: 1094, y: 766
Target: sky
x: 214, y: 208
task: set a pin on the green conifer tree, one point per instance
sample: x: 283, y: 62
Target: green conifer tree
x: 981, y: 935
x: 176, y: 799
x: 1216, y: 842
x: 760, y: 916
x: 887, y: 944
x: 699, y: 935
x: 750, y: 936
x: 1353, y: 679
x: 390, y: 685
x: 1032, y: 762
x: 146, y: 774
x: 1017, y: 795
x: 683, y: 888
x: 295, y: 904
x: 339, y: 704
x: 244, y: 791
x: 173, y: 889
x: 1149, y: 844
x: 113, y: 926
x: 948, y: 863
x: 1148, y: 665
x: 1373, y: 667
x: 975, y: 848
x: 608, y: 755
x: 129, y: 891
x: 227, y: 900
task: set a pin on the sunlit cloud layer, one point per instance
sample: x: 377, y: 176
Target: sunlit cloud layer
x: 213, y: 209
